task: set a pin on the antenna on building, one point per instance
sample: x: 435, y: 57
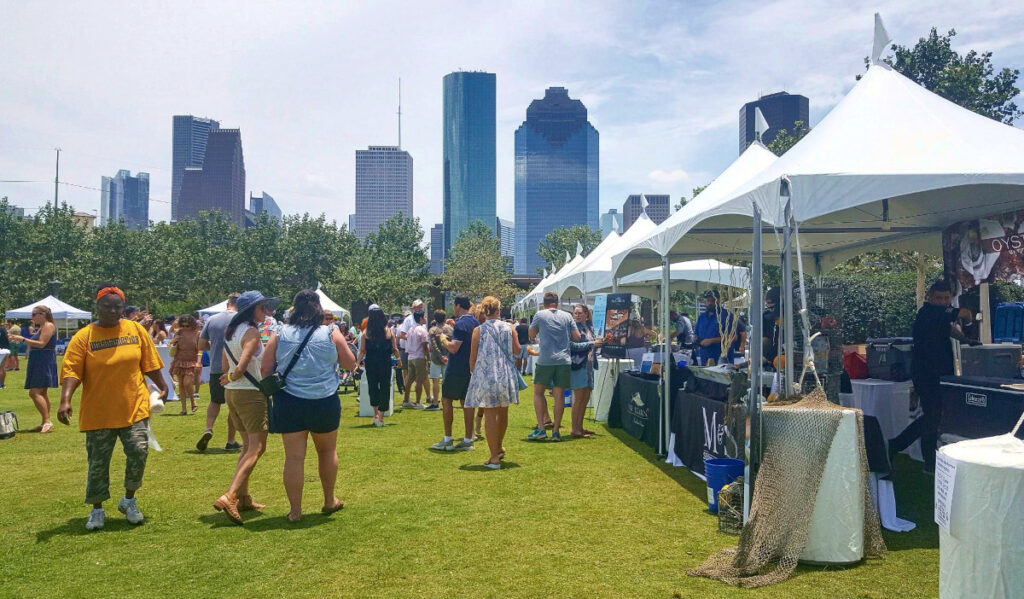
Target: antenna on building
x: 399, y: 113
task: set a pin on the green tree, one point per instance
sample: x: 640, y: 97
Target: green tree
x: 693, y: 194
x: 475, y: 266
x: 968, y: 79
x: 786, y: 138
x: 391, y: 268
x: 564, y: 239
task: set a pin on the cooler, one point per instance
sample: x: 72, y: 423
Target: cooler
x: 889, y: 358
x: 998, y: 360
x: 974, y: 407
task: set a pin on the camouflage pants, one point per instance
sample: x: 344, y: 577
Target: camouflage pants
x: 99, y: 445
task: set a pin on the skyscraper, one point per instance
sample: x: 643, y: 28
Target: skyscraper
x: 782, y: 110
x: 189, y: 149
x: 383, y: 187
x: 611, y: 221
x: 125, y: 197
x: 556, y: 174
x: 505, y: 231
x: 220, y: 183
x: 437, y: 249
x: 657, y: 209
x: 469, y: 161
x: 264, y: 202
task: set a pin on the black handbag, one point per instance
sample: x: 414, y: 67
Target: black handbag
x: 274, y: 382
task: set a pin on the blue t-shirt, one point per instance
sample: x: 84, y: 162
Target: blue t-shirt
x: 213, y: 331
x: 707, y: 328
x: 458, y: 362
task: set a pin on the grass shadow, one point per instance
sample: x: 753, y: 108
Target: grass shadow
x: 482, y: 468
x: 75, y: 527
x: 681, y: 475
x: 213, y: 451
x: 256, y: 522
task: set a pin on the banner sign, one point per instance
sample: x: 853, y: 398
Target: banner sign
x: 600, y: 310
x: 636, y: 406
x: 984, y: 250
x: 616, y: 324
x: 701, y: 431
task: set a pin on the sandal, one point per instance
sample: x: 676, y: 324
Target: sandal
x: 46, y: 428
x: 583, y: 435
x: 229, y: 507
x: 293, y: 520
x: 338, y: 504
x: 245, y: 503
x: 493, y: 465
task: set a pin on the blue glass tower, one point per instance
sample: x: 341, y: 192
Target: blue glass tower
x: 189, y: 150
x: 556, y: 174
x: 468, y: 152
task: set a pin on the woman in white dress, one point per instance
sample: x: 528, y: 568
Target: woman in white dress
x: 495, y: 383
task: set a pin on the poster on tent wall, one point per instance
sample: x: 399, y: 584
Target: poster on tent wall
x: 616, y: 324
x: 984, y: 250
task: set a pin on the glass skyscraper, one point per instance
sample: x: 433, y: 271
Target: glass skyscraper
x: 505, y: 231
x: 189, y: 150
x: 469, y: 161
x: 220, y: 183
x: 437, y: 249
x: 556, y: 174
x: 782, y: 110
x: 383, y: 187
x: 125, y: 197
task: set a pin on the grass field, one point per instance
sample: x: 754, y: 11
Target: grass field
x: 585, y: 518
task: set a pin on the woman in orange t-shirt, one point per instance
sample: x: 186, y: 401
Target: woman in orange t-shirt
x: 111, y: 359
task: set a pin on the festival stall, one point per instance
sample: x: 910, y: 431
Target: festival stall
x: 63, y: 313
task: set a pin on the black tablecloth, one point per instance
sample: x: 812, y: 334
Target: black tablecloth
x: 636, y: 406
x: 698, y: 422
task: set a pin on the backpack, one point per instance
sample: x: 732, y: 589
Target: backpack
x: 8, y: 424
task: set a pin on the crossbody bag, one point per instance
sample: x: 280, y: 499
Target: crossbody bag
x: 274, y: 382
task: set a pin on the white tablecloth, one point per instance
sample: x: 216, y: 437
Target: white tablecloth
x: 604, y: 385
x: 887, y: 401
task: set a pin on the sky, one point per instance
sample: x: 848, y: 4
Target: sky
x: 310, y: 83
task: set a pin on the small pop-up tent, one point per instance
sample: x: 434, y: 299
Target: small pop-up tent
x: 60, y: 310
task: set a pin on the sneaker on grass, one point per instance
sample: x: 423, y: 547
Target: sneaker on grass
x: 556, y: 436
x: 537, y: 435
x: 130, y: 509
x: 432, y: 408
x: 204, y: 441
x: 443, y: 445
x: 232, y: 446
x: 462, y: 445
x: 96, y: 518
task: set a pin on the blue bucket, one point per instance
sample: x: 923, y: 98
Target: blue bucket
x: 720, y: 472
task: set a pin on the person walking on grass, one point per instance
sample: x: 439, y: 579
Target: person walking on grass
x: 5, y: 352
x: 416, y: 346
x: 403, y: 346
x: 186, y: 366
x: 523, y: 334
x: 457, y: 376
x: 41, y: 372
x: 376, y: 348
x: 438, y: 358
x: 12, y: 360
x: 554, y: 330
x: 494, y: 384
x: 307, y: 355
x: 581, y: 379
x: 111, y: 359
x: 247, y: 406
x: 211, y: 339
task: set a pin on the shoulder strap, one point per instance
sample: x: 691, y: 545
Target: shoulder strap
x: 251, y: 378
x: 298, y: 352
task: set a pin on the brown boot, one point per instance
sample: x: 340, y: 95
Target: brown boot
x: 228, y: 505
x: 246, y: 503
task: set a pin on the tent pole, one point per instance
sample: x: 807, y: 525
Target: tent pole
x: 666, y: 360
x: 752, y: 452
x: 787, y: 297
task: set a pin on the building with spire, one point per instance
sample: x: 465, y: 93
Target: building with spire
x: 658, y: 208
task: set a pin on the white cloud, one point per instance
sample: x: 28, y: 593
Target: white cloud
x: 673, y: 176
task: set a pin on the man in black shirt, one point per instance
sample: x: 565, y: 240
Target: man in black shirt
x: 770, y: 327
x: 523, y: 333
x: 932, y: 358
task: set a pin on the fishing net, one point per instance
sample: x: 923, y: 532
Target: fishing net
x: 797, y: 439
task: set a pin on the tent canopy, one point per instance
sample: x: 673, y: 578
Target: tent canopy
x: 647, y: 251
x: 331, y: 306
x: 596, y: 272
x: 214, y: 309
x: 60, y: 310
x: 608, y: 244
x: 683, y: 276
x: 892, y: 164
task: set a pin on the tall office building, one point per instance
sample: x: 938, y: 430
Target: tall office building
x: 781, y: 110
x: 189, y: 149
x: 383, y: 187
x: 258, y: 204
x: 437, y: 249
x: 556, y: 174
x: 469, y: 161
x: 220, y: 183
x: 611, y: 221
x: 657, y: 209
x: 125, y: 197
x: 505, y: 231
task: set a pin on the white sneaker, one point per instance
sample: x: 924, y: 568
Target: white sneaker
x: 130, y: 509
x: 96, y: 518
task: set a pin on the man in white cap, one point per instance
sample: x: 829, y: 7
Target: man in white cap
x: 403, y: 334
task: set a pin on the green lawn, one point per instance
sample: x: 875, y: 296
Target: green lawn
x: 586, y: 518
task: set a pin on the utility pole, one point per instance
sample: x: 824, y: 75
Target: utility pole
x: 56, y: 181
x: 399, y: 113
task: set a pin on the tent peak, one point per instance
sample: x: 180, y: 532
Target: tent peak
x: 882, y: 39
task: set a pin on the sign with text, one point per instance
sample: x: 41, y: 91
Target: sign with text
x: 945, y: 479
x: 984, y: 250
x: 600, y: 311
x: 616, y: 324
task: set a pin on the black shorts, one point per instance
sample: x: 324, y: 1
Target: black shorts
x: 216, y: 389
x: 290, y: 414
x: 455, y: 386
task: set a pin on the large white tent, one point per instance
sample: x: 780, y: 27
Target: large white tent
x: 684, y: 276
x: 535, y: 296
x: 596, y: 271
x: 570, y: 277
x: 325, y: 302
x: 60, y: 310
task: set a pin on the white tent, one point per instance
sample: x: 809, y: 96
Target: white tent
x: 535, y: 296
x: 60, y: 310
x: 596, y: 272
x: 214, y: 309
x: 329, y: 305
x: 683, y: 276
x: 574, y: 276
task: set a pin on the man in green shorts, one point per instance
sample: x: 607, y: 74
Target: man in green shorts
x: 553, y: 329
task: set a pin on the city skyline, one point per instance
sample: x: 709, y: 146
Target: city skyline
x: 659, y: 84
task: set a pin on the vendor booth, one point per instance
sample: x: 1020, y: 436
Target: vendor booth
x: 65, y: 316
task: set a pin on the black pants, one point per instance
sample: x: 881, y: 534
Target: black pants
x: 379, y: 387
x: 926, y: 427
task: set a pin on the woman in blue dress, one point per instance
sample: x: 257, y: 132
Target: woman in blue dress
x: 41, y: 372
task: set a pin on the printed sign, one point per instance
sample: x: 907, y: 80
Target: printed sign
x: 600, y: 310
x: 945, y: 478
x: 984, y: 250
x: 616, y: 324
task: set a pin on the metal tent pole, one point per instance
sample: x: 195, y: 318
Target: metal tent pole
x: 666, y: 360
x: 787, y: 296
x: 752, y: 451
